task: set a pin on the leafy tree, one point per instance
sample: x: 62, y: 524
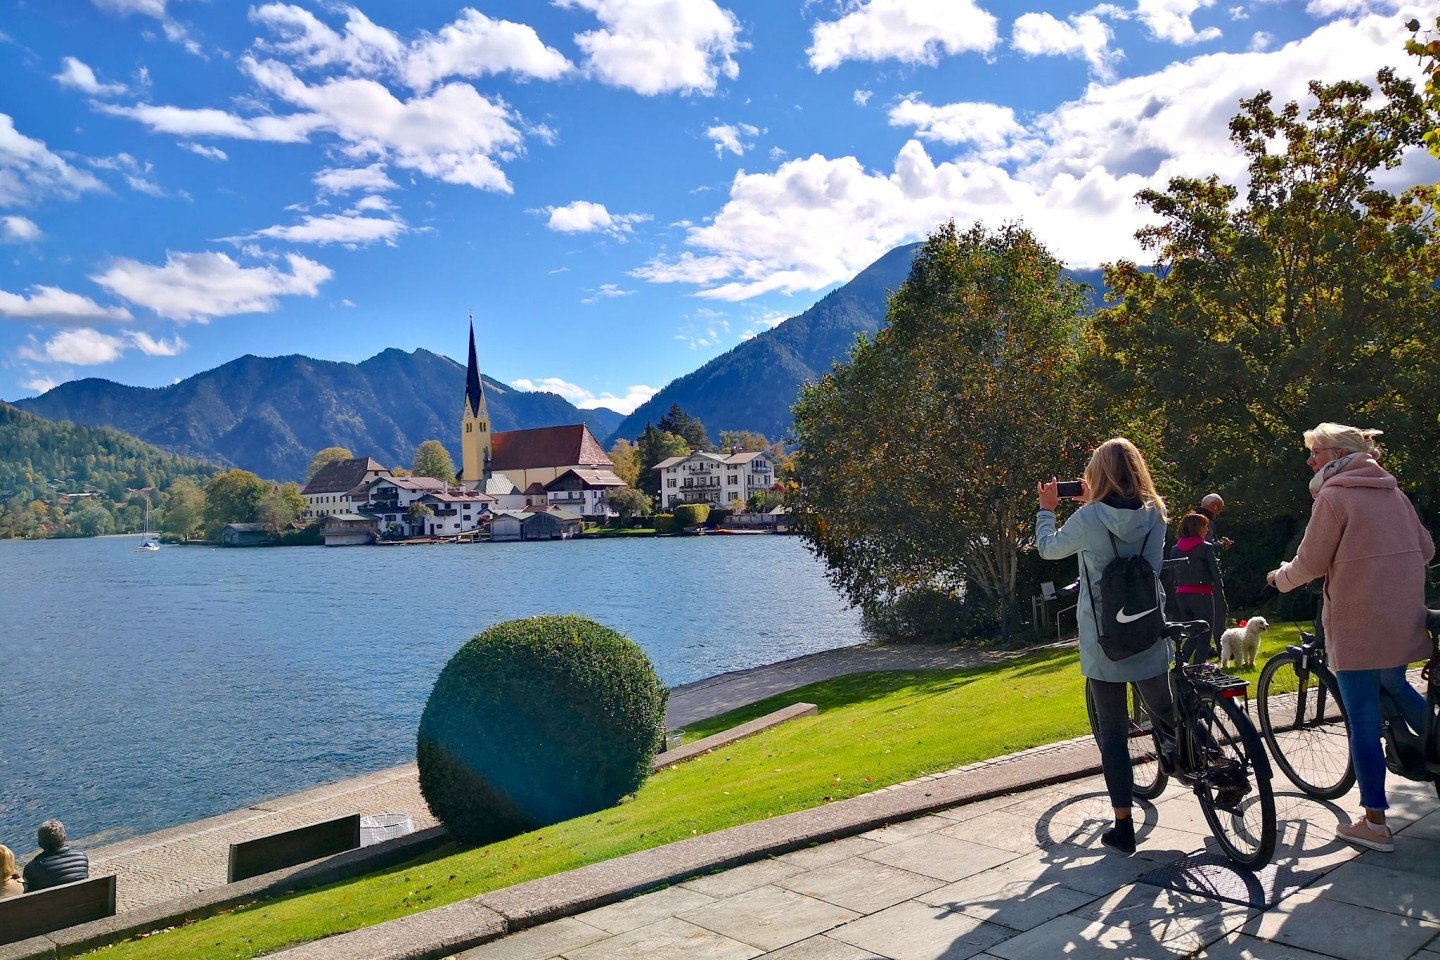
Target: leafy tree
x: 919, y: 457
x: 417, y: 514
x: 628, y: 502
x: 626, y: 457
x: 232, y: 497
x: 744, y: 440
x: 1312, y: 300
x: 1426, y: 49
x: 184, y: 508
x: 654, y: 446
x: 324, y: 458
x: 280, y: 506
x: 763, y: 501
x: 682, y: 424
x: 89, y: 518
x: 433, y: 460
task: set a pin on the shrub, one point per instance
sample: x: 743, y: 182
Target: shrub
x: 691, y: 514
x: 718, y: 516
x: 664, y: 523
x: 537, y: 721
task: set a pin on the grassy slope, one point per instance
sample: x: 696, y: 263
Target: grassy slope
x: 873, y: 730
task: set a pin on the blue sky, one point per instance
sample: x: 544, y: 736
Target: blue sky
x: 619, y: 190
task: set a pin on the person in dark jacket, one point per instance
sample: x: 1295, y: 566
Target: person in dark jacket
x: 1197, y: 581
x: 57, y: 862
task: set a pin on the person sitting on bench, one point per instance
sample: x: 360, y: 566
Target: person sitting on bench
x: 10, y: 885
x: 57, y: 862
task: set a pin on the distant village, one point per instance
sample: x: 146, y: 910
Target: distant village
x: 539, y: 484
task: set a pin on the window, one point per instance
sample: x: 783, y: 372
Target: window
x: 670, y: 482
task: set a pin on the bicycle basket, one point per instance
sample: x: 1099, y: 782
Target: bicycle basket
x: 1208, y: 677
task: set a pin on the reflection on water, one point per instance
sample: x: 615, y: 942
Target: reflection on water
x: 144, y: 690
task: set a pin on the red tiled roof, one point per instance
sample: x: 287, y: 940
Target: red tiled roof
x: 568, y: 446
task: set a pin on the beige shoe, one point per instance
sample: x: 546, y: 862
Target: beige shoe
x: 1367, y: 834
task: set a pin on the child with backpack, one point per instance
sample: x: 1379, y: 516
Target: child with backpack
x: 1118, y: 535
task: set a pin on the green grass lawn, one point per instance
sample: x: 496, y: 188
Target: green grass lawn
x: 873, y: 730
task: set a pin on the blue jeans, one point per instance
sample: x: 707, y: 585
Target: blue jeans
x: 1360, y: 692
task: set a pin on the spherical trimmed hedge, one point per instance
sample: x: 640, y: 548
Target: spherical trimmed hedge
x: 537, y: 721
x: 691, y: 514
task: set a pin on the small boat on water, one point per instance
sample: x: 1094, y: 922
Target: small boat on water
x: 150, y: 543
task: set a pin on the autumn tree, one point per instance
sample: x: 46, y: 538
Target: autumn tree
x: 324, y: 458
x: 433, y: 460
x: 184, y: 508
x: 1311, y: 299
x: 746, y: 441
x: 918, y: 458
x: 628, y: 502
x: 626, y: 458
x: 232, y: 497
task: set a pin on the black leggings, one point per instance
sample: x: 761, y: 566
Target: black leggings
x: 1112, y: 730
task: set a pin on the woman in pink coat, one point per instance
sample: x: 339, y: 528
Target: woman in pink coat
x: 1365, y: 539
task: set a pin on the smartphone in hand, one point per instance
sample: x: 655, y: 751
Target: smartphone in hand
x: 1068, y: 488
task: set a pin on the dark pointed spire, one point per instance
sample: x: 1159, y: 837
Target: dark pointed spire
x: 473, y: 395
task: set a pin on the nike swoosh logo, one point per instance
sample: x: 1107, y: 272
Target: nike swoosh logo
x: 1123, y: 617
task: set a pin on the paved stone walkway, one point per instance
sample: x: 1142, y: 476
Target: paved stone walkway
x: 1024, y: 877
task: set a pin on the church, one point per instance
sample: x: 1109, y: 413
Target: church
x: 561, y: 465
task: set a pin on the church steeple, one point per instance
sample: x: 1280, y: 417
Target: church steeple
x: 474, y: 422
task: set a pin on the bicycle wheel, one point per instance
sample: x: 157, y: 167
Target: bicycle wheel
x: 1232, y: 781
x: 1144, y: 745
x: 1304, y: 726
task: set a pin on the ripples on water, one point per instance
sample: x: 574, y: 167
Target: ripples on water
x: 140, y: 691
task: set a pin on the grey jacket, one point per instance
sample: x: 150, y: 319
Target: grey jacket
x: 1086, y: 534
x: 65, y: 865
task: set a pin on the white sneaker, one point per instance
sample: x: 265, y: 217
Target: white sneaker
x: 1367, y: 834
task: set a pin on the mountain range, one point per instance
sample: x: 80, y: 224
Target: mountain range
x: 270, y: 415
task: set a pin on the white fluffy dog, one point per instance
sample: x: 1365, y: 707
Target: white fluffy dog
x: 1239, y: 645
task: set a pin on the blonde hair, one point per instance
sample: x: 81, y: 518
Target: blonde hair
x: 1117, y: 467
x: 7, y: 864
x: 1341, y: 437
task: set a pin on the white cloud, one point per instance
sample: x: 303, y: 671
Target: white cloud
x: 18, y: 229
x: 1085, y: 36
x: 1261, y: 40
x: 84, y: 347
x: 45, y: 304
x: 634, y: 396
x: 607, y: 291
x: 39, y: 383
x: 156, y: 347
x: 343, y: 180
x: 862, y: 97
x: 659, y: 46
x: 816, y: 221
x: 475, y: 45
x: 199, y: 286
x: 583, y: 216
x: 728, y: 136
x: 1170, y: 20
x: 349, y: 228
x: 911, y: 31
x: 87, y: 347
x: 174, y: 31
x: 987, y: 125
x: 80, y: 77
x: 208, y: 152
x: 363, y: 47
x: 29, y: 172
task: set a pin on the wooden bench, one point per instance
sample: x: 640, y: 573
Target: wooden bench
x: 301, y: 845
x: 56, y: 908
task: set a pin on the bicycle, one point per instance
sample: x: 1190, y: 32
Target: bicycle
x: 1308, y: 732
x: 1208, y: 744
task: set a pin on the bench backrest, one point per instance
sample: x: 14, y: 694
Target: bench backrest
x: 56, y: 908
x: 301, y: 845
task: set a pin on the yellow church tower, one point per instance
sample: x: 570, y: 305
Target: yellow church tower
x: 474, y: 424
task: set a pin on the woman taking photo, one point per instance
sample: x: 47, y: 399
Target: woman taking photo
x: 1365, y: 539
x: 1121, y: 515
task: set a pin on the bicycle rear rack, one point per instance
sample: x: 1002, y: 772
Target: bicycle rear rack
x: 1208, y: 677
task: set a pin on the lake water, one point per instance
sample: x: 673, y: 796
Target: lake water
x: 140, y: 691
